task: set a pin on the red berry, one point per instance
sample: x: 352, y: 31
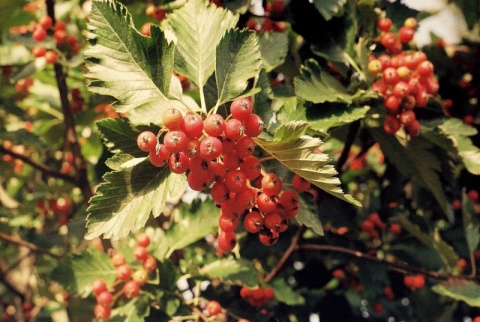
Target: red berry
x: 140, y: 253
x: 210, y: 148
x: 253, y: 125
x: 271, y: 184
x: 214, y: 125
x: 245, y: 146
x: 367, y: 226
x: 51, y: 56
x: 172, y: 118
x: 272, y: 220
x: 150, y: 264
x: 39, y: 34
x: 175, y: 141
x: 118, y: 259
x: 391, y: 124
x: 105, y: 299
x: 131, y: 289
x: 241, y: 108
x: 213, y: 308
x: 473, y: 195
x: 38, y: 51
x: 384, y: 24
x: 143, y: 240
x: 101, y: 312
x: 45, y: 22
x: 227, y: 241
x: 197, y: 181
x: 253, y: 222
x: 251, y: 167
x: 158, y: 156
x: 234, y: 129
x: 390, y: 75
x: 392, y: 105
x: 192, y: 125
x: 60, y: 36
x: 146, y: 141
x: 178, y: 163
x: 235, y: 181
x: 425, y: 69
x: 227, y: 223
x: 124, y: 272
x: 60, y: 25
x: 99, y: 286
x: 406, y: 34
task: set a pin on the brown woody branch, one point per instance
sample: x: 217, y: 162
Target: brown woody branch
x: 30, y: 246
x: 396, y: 266
x: 40, y: 166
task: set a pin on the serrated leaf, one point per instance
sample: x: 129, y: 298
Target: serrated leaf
x: 460, y: 290
x: 330, y: 8
x: 471, y: 223
x: 124, y: 64
x: 77, y: 273
x: 126, y: 198
x: 459, y: 133
x: 238, y: 61
x: 193, y: 223
x: 317, y: 86
x: 432, y: 240
x: 326, y: 116
x: 273, y: 47
x: 119, y: 136
x: 415, y: 160
x: 285, y: 294
x: 199, y: 27
x: 295, y: 150
x: 308, y: 215
x: 232, y: 271
x: 134, y: 310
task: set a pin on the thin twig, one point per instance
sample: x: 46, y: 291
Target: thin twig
x: 71, y: 141
x: 32, y: 247
x: 399, y: 267
x: 40, y: 166
x: 286, y: 255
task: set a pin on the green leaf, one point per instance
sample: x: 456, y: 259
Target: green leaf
x: 125, y: 64
x: 134, y: 310
x: 460, y: 290
x: 125, y: 200
x: 330, y: 8
x: 274, y: 49
x: 194, y: 222
x: 324, y: 117
x: 295, y: 150
x: 199, y: 27
x: 432, y: 240
x: 119, y: 136
x: 285, y: 294
x: 308, y: 215
x: 471, y: 223
x: 317, y: 86
x: 239, y: 60
x: 459, y: 133
x: 232, y: 271
x: 416, y: 160
x: 77, y: 273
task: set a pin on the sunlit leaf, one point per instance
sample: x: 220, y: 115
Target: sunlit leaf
x: 119, y: 136
x: 231, y: 271
x: 326, y: 116
x: 285, y: 294
x: 460, y: 290
x: 295, y: 150
x: 126, y: 198
x: 274, y: 48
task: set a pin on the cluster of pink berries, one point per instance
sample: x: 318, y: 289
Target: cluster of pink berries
x: 257, y: 297
x: 132, y: 280
x: 406, y: 78
x: 218, y: 153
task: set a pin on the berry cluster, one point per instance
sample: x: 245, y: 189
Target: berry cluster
x: 414, y: 281
x: 132, y: 280
x: 218, y: 153
x: 61, y: 206
x: 77, y: 101
x: 406, y: 78
x: 269, y: 23
x: 257, y: 297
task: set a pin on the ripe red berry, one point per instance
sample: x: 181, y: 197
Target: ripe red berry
x: 241, y: 108
x: 192, y: 125
x: 473, y: 195
x: 235, y: 181
x: 214, y: 125
x: 51, y: 56
x: 99, y: 286
x: 384, y: 24
x: 271, y: 184
x: 272, y: 220
x: 118, y: 259
x: 105, y: 299
x: 213, y: 308
x: 178, y: 163
x: 175, y: 141
x: 45, y: 22
x: 143, y: 240
x: 391, y: 124
x: 390, y: 75
x: 251, y: 167
x: 150, y: 264
x: 38, y: 51
x: 253, y: 222
x: 146, y: 141
x: 300, y: 184
x: 405, y: 34
x: 101, y: 312
x: 197, y: 181
x: 268, y: 237
x: 158, y: 156
x: 425, y: 69
x: 39, y: 34
x: 227, y: 223
x: 140, y: 253
x: 124, y: 272
x: 392, y: 105
x: 227, y: 241
x: 379, y: 87
x: 210, y: 148
x: 254, y: 125
x: 131, y: 289
x: 60, y: 36
x: 234, y: 129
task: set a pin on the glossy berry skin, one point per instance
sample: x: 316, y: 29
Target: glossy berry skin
x: 253, y: 222
x: 140, y: 253
x: 227, y: 223
x: 99, y: 286
x: 210, y: 148
x: 118, y: 259
x: 251, y: 167
x: 38, y: 51
x: 131, y: 289
x: 384, y: 24
x: 227, y: 241
x: 374, y: 66
x: 234, y: 129
x: 245, y: 146
x: 146, y: 141
x: 158, y: 156
x: 300, y: 184
x: 235, y: 181
x: 271, y: 184
x: 140, y: 276
x: 175, y: 141
x: 254, y: 125
x: 143, y: 240
x: 214, y: 125
x: 178, y: 163
x: 150, y: 264
x: 124, y: 272
x: 172, y: 118
x: 241, y: 108
x: 391, y: 124
x: 425, y: 69
x: 406, y: 34
x: 51, y: 56
x: 105, y: 299
x: 39, y: 34
x: 192, y: 125
x: 197, y: 181
x: 102, y: 312
x: 213, y: 308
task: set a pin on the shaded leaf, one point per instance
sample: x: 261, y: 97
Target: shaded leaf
x: 330, y: 8
x: 77, y: 273
x: 285, y: 294
x: 295, y: 150
x: 126, y: 198
x: 193, y: 223
x: 328, y: 116
x: 232, y: 271
x: 124, y: 64
x: 471, y: 223
x: 134, y: 310
x: 308, y: 215
x: 238, y: 61
x: 317, y: 86
x: 460, y: 290
x: 119, y: 136
x: 274, y: 48
x: 459, y: 134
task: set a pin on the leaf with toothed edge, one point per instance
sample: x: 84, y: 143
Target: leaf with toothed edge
x: 294, y: 149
